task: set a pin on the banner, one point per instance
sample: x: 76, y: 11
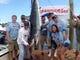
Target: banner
x: 63, y: 12
x: 57, y: 10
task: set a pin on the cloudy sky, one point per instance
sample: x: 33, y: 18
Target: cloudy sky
x: 19, y: 7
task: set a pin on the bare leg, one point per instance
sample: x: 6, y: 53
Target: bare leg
x: 15, y: 53
x: 53, y: 52
x: 49, y: 53
x: 10, y: 55
x: 41, y: 47
x: 49, y: 46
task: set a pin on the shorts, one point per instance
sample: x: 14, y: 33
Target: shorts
x: 42, y: 39
x: 53, y: 45
x: 49, y: 42
x: 13, y: 46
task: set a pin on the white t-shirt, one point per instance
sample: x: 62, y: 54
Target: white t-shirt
x: 23, y: 36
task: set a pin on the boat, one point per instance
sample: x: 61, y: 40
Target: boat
x: 3, y: 44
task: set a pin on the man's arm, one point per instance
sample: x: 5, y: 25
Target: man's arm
x: 47, y: 26
x: 65, y: 31
x: 48, y: 29
x: 8, y: 37
x: 21, y: 36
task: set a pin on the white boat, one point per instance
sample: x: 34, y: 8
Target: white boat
x: 3, y: 48
x: 3, y: 52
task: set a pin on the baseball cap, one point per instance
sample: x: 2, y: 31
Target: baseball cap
x: 23, y: 17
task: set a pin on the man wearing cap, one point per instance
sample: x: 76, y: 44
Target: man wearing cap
x: 23, y: 19
x: 43, y: 32
x: 48, y: 26
x: 23, y: 41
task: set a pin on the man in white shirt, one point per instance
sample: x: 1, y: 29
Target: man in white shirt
x: 23, y: 19
x: 22, y: 41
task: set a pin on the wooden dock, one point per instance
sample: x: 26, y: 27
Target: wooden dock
x: 40, y: 55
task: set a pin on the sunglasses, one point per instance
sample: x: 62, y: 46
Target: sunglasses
x: 22, y: 18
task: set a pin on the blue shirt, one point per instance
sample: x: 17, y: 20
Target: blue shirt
x: 62, y: 27
x: 13, y: 30
x: 50, y: 23
x: 43, y: 30
x: 57, y: 37
x: 49, y: 26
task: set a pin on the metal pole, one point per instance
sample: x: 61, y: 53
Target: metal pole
x: 71, y: 29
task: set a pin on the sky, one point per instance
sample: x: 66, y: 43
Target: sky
x: 19, y: 7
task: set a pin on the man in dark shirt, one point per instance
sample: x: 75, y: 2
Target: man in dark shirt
x: 43, y: 32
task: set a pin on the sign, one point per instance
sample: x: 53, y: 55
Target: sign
x: 57, y: 10
x: 63, y: 12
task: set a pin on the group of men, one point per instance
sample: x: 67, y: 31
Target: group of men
x: 46, y: 31
x: 17, y: 36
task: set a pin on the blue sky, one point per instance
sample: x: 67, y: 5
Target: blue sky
x: 19, y: 7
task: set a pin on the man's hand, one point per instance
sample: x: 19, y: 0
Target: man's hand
x: 65, y: 37
x: 28, y: 46
x: 61, y: 51
x: 10, y: 41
